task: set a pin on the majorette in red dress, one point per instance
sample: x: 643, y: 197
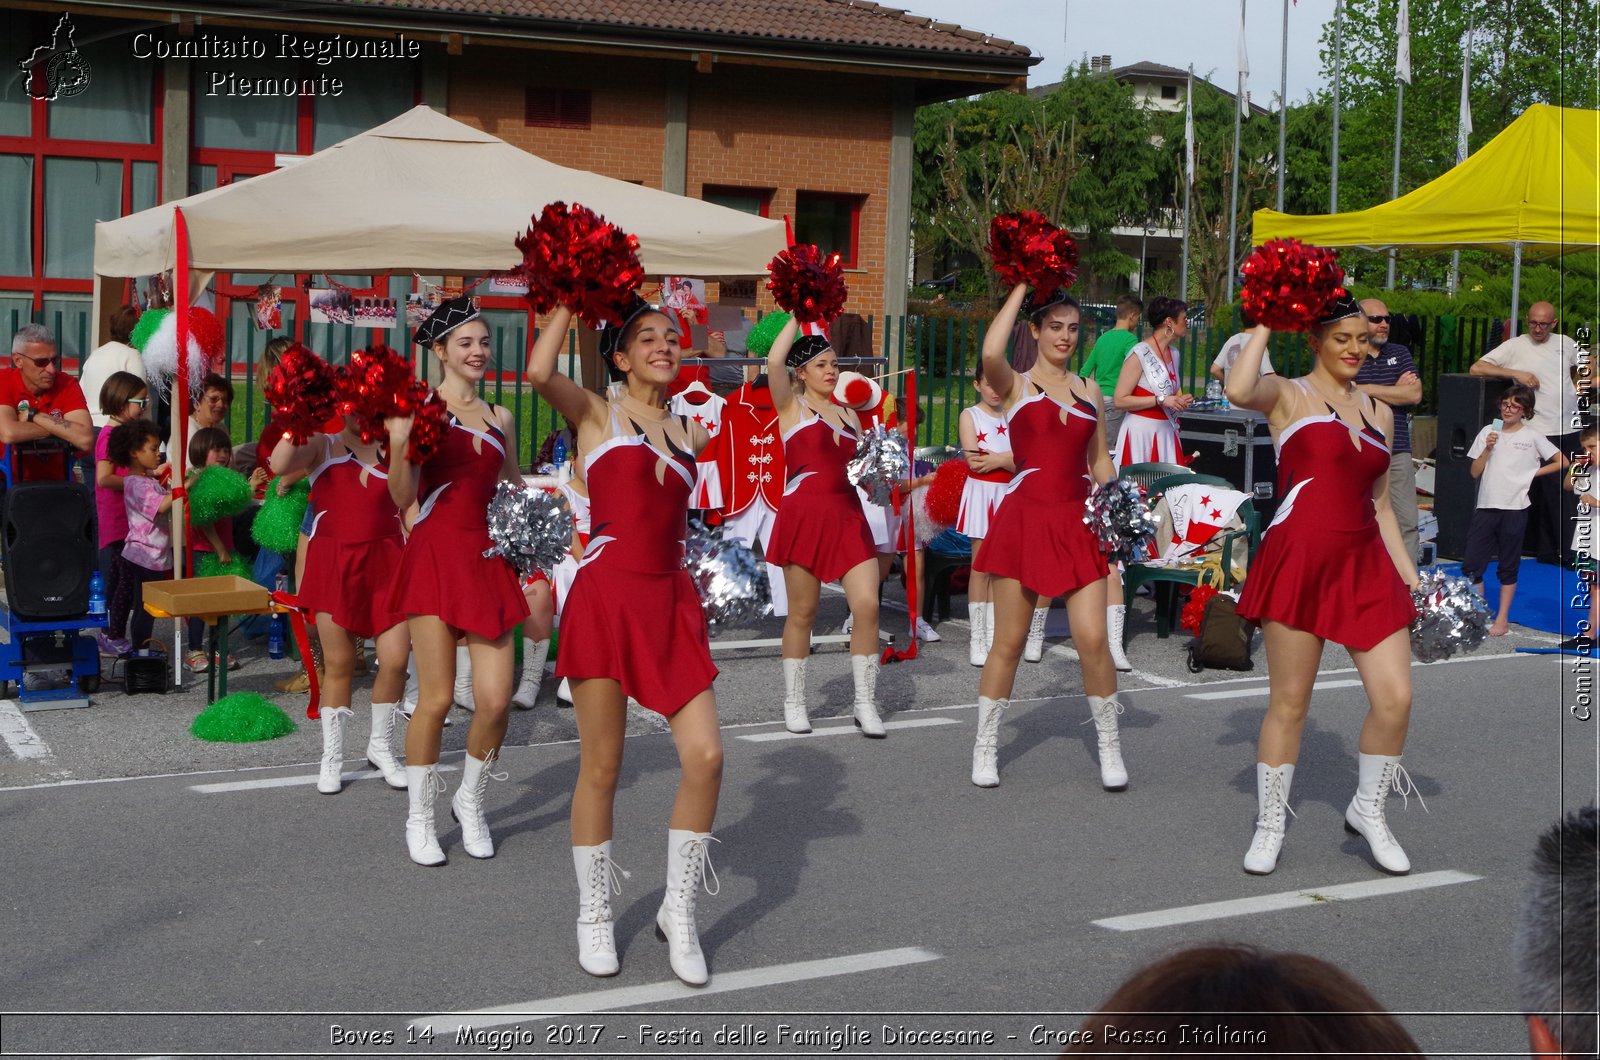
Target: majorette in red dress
x: 1038, y: 536
x: 1322, y: 566
x: 632, y: 614
x: 820, y: 525
x: 355, y: 549
x: 444, y: 571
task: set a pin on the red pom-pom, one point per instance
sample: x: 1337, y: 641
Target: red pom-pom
x: 1288, y: 284
x: 808, y: 284
x: 856, y: 391
x: 303, y: 392
x: 1195, y: 609
x: 1027, y: 248
x: 205, y: 331
x: 427, y: 430
x: 944, y: 492
x: 375, y: 385
x: 572, y: 257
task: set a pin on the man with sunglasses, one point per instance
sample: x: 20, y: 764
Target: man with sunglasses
x: 1543, y: 359
x: 1390, y: 375
x: 38, y: 401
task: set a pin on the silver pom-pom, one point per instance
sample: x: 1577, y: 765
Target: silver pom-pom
x: 731, y: 579
x: 882, y: 462
x: 1451, y: 616
x: 531, y: 528
x: 1121, y: 521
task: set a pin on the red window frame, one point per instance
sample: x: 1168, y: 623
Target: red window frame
x: 765, y: 194
x: 850, y: 256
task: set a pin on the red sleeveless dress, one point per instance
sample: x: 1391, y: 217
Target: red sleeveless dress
x: 1037, y: 536
x: 1322, y: 566
x: 820, y: 525
x: 633, y: 614
x: 444, y: 572
x: 355, y: 549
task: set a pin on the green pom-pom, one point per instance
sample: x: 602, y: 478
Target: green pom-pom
x: 217, y: 492
x: 243, y: 717
x: 765, y: 333
x: 149, y: 321
x: 277, y: 524
x: 210, y: 567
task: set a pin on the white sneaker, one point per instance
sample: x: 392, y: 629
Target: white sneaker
x: 926, y: 632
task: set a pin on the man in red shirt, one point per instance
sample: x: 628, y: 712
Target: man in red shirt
x: 37, y: 402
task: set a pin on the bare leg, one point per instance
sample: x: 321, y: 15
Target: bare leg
x: 541, y: 611
x: 1086, y: 612
x: 601, y: 710
x: 338, y: 661
x: 861, y: 592
x: 1502, y: 621
x: 1386, y: 675
x: 804, y: 591
x: 1292, y: 659
x: 699, y: 742
x: 434, y: 645
x: 493, y: 663
x: 1013, y: 611
x: 977, y: 582
x: 393, y: 646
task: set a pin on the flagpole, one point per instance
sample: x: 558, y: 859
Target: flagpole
x: 1338, y: 62
x: 1188, y: 180
x: 1463, y: 131
x: 1402, y: 75
x: 1283, y: 107
x: 1233, y: 198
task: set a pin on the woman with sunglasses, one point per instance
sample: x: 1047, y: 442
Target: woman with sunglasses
x: 123, y: 397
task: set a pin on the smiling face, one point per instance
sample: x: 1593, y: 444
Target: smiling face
x: 819, y: 374
x: 1057, y: 334
x: 213, y: 408
x: 1341, y: 347
x: 466, y: 351
x: 651, y: 350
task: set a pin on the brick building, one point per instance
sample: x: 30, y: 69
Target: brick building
x: 782, y: 107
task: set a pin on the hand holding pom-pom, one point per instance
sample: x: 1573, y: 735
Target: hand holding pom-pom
x: 1288, y: 284
x: 808, y: 284
x: 881, y: 464
x: 374, y: 386
x: 572, y: 257
x: 1121, y: 521
x: 427, y: 424
x: 1027, y: 248
x: 1451, y: 617
x: 944, y: 495
x: 303, y: 391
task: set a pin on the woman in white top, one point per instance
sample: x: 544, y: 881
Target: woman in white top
x: 114, y: 356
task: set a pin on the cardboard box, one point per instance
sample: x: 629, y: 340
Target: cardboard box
x: 224, y: 595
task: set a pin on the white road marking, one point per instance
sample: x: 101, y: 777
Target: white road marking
x: 288, y: 782
x: 1267, y: 903
x: 836, y: 730
x: 18, y: 734
x: 1234, y: 693
x: 631, y: 997
x: 1067, y: 651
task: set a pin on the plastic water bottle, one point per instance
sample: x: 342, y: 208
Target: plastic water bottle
x: 563, y: 471
x: 278, y: 626
x: 97, y: 594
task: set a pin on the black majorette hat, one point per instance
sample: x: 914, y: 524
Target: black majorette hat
x: 1340, y: 308
x: 1038, y: 301
x: 611, y: 334
x: 445, y: 319
x: 805, y: 348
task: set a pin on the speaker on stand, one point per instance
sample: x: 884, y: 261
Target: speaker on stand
x: 1466, y: 403
x: 47, y: 542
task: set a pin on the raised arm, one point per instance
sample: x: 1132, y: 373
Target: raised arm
x: 404, y: 478
x: 1246, y: 386
x: 783, y: 397
x: 996, y: 369
x: 571, y: 400
x: 287, y: 457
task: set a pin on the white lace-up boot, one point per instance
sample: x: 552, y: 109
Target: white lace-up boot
x: 463, y: 689
x: 1380, y: 774
x: 1104, y: 711
x: 334, y: 720
x: 986, y: 746
x: 1272, y: 800
x: 795, y: 718
x: 598, y: 878
x: 1116, y: 619
x: 688, y: 866
x: 380, y: 745
x: 977, y: 649
x: 988, y: 629
x: 533, y: 659
x: 467, y: 805
x: 423, y: 786
x: 1033, y: 650
x: 864, y: 668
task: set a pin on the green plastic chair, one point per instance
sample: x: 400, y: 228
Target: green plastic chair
x: 1145, y: 474
x: 1165, y: 580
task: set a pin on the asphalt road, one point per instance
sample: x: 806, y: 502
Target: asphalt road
x: 205, y: 900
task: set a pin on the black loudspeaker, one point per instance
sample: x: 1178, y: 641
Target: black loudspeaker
x: 49, y: 549
x: 1466, y: 403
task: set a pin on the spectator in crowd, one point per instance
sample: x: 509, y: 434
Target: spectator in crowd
x: 1554, y: 943
x: 1107, y: 355
x: 1390, y: 375
x: 1543, y: 360
x: 39, y: 402
x: 1238, y: 999
x: 211, y: 407
x: 1230, y: 350
x: 114, y: 356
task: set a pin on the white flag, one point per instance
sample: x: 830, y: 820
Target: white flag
x: 1464, y: 125
x: 1244, y: 67
x: 1188, y: 130
x: 1402, y: 53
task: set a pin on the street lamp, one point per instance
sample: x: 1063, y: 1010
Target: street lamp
x: 1144, y: 259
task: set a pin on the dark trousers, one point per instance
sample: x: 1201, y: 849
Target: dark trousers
x: 108, y: 570
x: 1496, y: 532
x: 1551, y: 510
x: 127, y: 605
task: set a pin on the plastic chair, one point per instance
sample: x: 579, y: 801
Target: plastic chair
x: 1165, y: 580
x: 1161, y: 485
x: 1145, y: 474
x: 945, y: 557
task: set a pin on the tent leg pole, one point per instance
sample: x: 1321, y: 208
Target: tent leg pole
x: 1516, y: 286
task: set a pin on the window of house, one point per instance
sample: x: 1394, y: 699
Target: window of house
x: 831, y: 221
x: 557, y: 108
x: 756, y: 201
x: 1169, y: 91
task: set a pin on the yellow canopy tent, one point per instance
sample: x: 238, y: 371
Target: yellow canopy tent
x: 1532, y: 191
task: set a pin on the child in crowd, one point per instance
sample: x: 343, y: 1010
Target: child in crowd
x: 1582, y: 482
x: 123, y: 397
x: 146, y: 553
x: 1506, y: 458
x: 211, y: 447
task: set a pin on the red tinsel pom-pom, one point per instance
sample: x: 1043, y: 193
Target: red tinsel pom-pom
x: 1288, y: 284
x: 427, y: 430
x: 205, y: 331
x: 303, y: 392
x: 944, y: 492
x: 808, y: 283
x: 572, y: 257
x: 1195, y: 609
x: 375, y: 385
x: 1027, y: 248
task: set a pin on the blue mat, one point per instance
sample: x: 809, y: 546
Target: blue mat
x: 1591, y: 654
x: 1545, y: 596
